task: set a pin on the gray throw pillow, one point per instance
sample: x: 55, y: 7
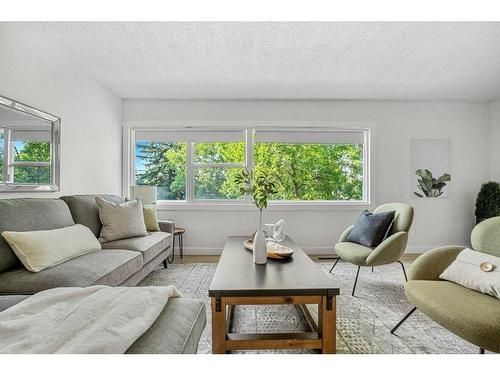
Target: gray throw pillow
x: 370, y: 229
x: 120, y: 220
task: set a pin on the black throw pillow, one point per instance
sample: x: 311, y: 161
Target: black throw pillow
x: 370, y: 229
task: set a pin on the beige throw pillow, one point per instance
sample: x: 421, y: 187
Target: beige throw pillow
x: 42, y: 249
x: 120, y: 220
x: 475, y: 270
x: 151, y: 219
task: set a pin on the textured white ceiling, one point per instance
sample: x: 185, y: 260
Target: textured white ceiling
x: 318, y: 60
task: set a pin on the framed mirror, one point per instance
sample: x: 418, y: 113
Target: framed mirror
x: 29, y: 148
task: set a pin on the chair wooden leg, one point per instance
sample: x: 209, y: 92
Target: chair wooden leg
x: 404, y: 271
x: 355, y: 281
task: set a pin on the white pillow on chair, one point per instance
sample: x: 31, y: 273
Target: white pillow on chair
x: 475, y: 270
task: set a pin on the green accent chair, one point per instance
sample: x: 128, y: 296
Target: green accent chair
x: 389, y: 251
x: 471, y: 315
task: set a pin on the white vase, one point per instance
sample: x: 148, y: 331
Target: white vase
x: 259, y: 244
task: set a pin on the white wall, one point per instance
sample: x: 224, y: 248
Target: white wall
x: 90, y: 115
x: 437, y: 221
x: 494, y: 140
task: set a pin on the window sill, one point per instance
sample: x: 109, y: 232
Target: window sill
x: 288, y: 206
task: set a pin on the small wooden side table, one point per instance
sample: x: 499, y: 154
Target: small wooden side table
x: 179, y: 234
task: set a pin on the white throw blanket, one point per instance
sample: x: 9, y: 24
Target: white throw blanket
x: 97, y: 319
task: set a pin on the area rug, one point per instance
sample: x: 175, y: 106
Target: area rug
x: 363, y: 321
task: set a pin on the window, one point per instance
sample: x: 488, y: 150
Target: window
x: 25, y: 156
x: 316, y: 166
x: 162, y: 164
x: 190, y: 165
x: 196, y: 165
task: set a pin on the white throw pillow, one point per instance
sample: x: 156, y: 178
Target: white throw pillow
x: 121, y: 220
x: 475, y: 270
x: 42, y: 249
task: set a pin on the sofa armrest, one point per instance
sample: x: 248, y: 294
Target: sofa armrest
x: 431, y: 264
x: 166, y: 226
x: 345, y: 234
x: 390, y: 250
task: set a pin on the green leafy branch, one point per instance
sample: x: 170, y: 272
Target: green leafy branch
x: 260, y: 187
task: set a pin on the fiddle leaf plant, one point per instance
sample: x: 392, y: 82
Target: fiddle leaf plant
x: 260, y: 187
x: 429, y: 186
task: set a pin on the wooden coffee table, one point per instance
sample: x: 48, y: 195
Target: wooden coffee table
x: 297, y: 281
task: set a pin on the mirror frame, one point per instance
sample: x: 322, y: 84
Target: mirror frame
x: 55, y: 149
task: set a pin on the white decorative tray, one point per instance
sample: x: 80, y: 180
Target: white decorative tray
x: 276, y: 252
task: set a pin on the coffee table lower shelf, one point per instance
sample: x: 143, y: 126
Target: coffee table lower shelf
x: 323, y: 339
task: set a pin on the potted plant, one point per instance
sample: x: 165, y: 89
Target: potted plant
x: 488, y: 201
x: 260, y: 187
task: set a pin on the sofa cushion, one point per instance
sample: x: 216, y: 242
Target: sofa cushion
x: 469, y: 314
x: 85, y: 210
x: 29, y: 214
x: 8, y: 301
x: 177, y: 330
x: 352, y: 252
x: 149, y: 246
x: 102, y: 267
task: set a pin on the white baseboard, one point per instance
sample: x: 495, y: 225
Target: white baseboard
x: 308, y: 250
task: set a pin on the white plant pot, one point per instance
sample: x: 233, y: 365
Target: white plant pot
x: 259, y: 244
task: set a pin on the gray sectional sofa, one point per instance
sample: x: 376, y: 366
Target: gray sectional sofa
x: 123, y: 262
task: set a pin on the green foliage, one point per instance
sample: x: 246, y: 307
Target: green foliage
x: 301, y: 171
x: 165, y: 167
x: 313, y: 171
x: 488, y: 200
x: 260, y: 187
x: 430, y: 186
x: 216, y: 183
x: 32, y: 151
x: 219, y: 152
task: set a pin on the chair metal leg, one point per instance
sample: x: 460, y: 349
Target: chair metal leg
x: 403, y: 320
x: 165, y: 263
x: 355, y: 281
x: 481, y: 351
x: 173, y: 251
x: 334, y: 264
x: 372, y: 269
x: 404, y: 271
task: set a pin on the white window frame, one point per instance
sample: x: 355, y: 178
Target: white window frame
x: 130, y: 128
x: 8, y: 159
x: 191, y: 165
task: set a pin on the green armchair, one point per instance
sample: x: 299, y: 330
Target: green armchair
x: 471, y: 315
x: 389, y: 251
